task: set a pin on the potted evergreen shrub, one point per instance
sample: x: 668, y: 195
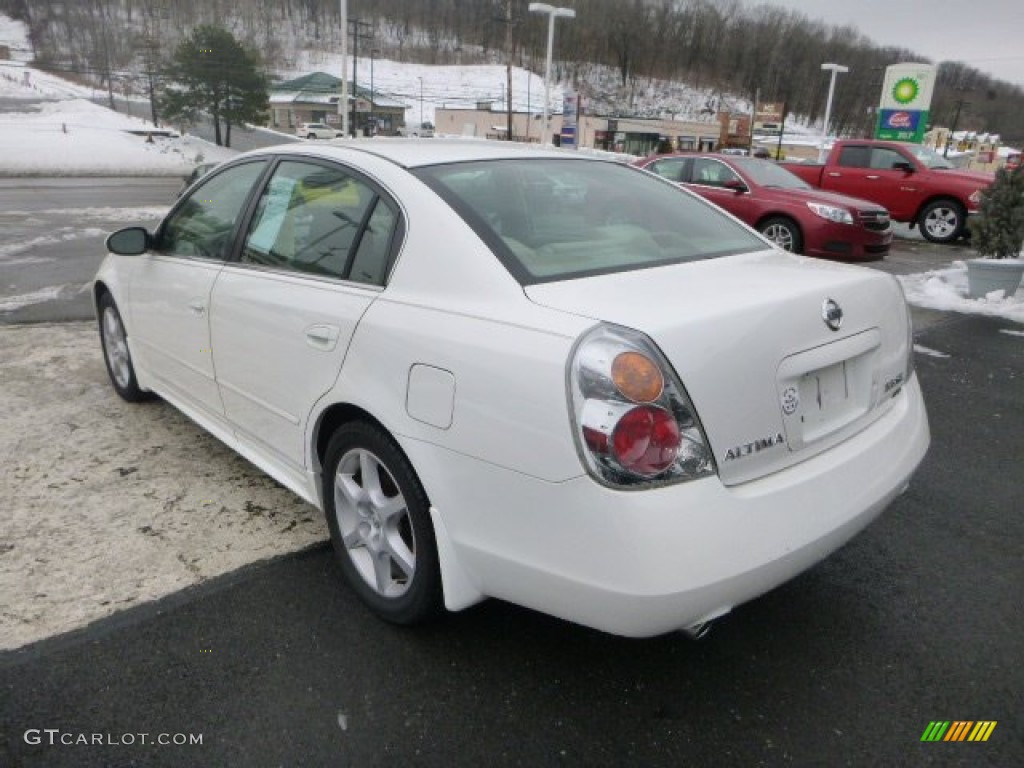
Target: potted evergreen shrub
x: 997, y: 234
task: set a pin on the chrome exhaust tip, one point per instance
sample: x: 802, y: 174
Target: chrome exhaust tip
x: 698, y: 631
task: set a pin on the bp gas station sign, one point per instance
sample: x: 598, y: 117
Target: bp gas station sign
x: 905, y: 101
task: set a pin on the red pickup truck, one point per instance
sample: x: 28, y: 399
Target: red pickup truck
x: 916, y: 184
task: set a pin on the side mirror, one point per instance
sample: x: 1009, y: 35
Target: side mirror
x: 736, y: 186
x: 903, y: 166
x: 132, y: 241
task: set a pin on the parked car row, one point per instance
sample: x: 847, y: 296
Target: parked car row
x: 782, y: 207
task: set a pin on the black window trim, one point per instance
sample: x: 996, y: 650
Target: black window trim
x: 243, y: 211
x: 397, y: 234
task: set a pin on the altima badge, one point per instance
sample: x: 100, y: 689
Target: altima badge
x: 832, y: 314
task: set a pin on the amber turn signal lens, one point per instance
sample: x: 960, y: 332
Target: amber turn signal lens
x: 637, y: 377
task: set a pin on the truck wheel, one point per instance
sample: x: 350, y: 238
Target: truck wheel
x: 942, y: 221
x: 783, y: 232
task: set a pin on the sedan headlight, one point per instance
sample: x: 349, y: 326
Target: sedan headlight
x: 832, y: 213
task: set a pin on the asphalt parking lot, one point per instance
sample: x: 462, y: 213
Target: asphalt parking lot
x: 276, y: 663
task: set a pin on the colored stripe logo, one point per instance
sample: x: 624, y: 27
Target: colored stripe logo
x: 959, y: 730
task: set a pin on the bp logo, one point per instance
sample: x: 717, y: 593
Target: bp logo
x: 905, y: 90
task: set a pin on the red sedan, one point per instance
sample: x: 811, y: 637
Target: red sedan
x: 782, y: 207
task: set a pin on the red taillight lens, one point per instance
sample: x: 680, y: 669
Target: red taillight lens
x: 646, y: 440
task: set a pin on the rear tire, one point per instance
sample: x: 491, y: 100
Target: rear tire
x: 783, y: 232
x: 379, y: 518
x: 942, y: 221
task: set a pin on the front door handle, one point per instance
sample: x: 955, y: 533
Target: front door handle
x: 873, y: 176
x: 198, y: 307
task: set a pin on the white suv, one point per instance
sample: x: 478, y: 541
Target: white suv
x: 317, y: 131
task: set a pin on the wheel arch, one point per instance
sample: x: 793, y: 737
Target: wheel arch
x: 459, y: 587
x: 333, y: 417
x: 939, y: 197
x: 99, y: 289
x: 775, y: 214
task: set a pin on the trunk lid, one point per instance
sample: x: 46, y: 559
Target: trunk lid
x: 772, y: 383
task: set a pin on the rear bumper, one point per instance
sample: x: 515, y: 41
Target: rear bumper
x: 641, y: 563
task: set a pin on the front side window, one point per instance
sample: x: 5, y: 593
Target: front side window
x: 322, y: 221
x: 929, y: 157
x: 669, y: 169
x: 553, y: 219
x: 203, y: 226
x: 883, y: 158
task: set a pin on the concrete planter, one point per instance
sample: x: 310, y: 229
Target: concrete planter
x: 987, y: 275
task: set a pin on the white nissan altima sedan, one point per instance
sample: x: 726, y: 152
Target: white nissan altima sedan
x: 525, y: 374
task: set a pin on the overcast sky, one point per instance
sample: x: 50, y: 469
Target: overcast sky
x: 987, y: 35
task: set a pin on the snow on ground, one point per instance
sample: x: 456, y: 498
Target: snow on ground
x: 110, y: 504
x: 74, y: 137
x: 946, y: 289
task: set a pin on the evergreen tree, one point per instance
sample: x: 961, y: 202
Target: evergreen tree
x: 998, y: 231
x: 212, y: 73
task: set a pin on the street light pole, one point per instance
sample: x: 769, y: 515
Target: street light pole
x: 835, y: 69
x: 421, y: 103
x: 343, y: 104
x: 373, y: 102
x: 552, y: 12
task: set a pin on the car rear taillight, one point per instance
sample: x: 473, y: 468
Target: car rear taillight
x: 634, y: 423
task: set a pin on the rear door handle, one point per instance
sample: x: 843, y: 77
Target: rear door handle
x: 872, y: 177
x: 322, y: 336
x: 836, y: 174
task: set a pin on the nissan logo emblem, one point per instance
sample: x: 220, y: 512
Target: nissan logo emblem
x: 832, y: 314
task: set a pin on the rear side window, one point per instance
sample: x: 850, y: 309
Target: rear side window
x: 320, y: 220
x: 552, y: 219
x: 855, y: 157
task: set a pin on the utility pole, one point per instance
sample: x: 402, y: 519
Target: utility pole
x: 508, y: 65
x: 343, y: 104
x: 960, y: 104
x: 357, y: 33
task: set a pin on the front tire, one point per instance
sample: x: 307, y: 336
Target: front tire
x: 379, y: 518
x: 310, y: 135
x: 784, y: 233
x: 116, y: 354
x: 942, y: 221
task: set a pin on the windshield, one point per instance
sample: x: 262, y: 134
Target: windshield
x: 929, y: 157
x: 768, y: 174
x: 553, y: 219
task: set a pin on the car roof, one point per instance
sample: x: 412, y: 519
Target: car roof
x: 414, y: 153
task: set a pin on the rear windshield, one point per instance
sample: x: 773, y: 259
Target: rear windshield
x: 552, y: 219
